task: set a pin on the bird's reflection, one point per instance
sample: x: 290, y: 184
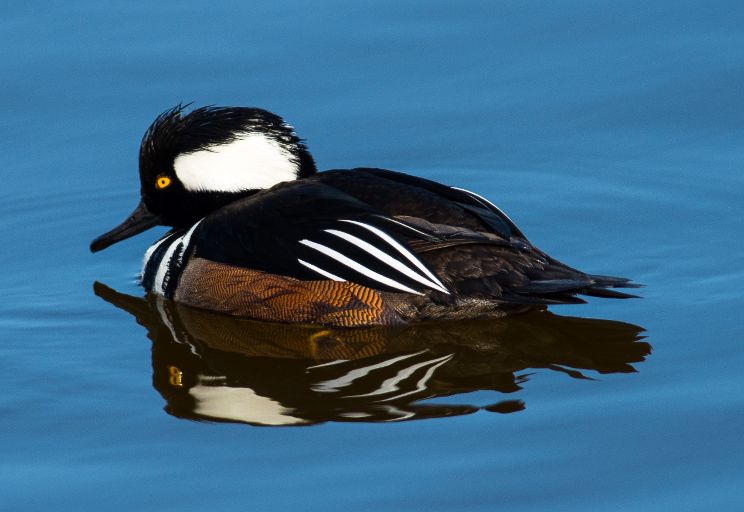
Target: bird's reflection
x: 219, y: 368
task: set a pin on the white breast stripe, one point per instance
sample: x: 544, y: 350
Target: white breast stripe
x: 386, y: 258
x: 148, y: 254
x: 187, y: 241
x: 486, y: 201
x: 358, y: 266
x: 157, y: 285
x: 320, y: 271
x: 166, y: 318
x: 405, y: 252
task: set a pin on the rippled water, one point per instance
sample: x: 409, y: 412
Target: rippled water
x: 612, y: 136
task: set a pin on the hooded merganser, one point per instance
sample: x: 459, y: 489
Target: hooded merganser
x: 258, y: 232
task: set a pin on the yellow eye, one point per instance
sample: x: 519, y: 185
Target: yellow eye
x: 162, y: 182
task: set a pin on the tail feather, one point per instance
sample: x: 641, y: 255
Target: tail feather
x: 565, y: 291
x: 609, y: 294
x: 614, y: 282
x: 548, y: 286
x: 519, y: 298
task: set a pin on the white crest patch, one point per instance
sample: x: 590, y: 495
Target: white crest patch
x: 240, y: 404
x: 252, y: 161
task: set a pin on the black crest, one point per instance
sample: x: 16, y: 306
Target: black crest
x: 173, y: 133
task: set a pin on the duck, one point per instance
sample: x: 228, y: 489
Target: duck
x: 258, y: 232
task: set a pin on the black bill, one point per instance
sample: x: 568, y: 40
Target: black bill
x: 140, y: 220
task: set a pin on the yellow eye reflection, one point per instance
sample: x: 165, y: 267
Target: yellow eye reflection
x: 162, y: 182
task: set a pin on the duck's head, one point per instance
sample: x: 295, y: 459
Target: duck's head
x: 193, y: 164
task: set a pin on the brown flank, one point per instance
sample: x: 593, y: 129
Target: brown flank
x: 255, y: 294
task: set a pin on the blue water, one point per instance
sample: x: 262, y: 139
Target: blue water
x: 612, y: 134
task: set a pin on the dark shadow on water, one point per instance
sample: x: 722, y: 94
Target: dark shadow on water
x: 218, y: 368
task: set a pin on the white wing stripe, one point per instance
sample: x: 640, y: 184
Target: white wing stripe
x: 358, y: 267
x: 333, y: 385
x: 486, y: 201
x: 386, y: 258
x: 320, y: 271
x: 396, y: 221
x: 392, y: 384
x: 405, y: 252
x: 421, y: 384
